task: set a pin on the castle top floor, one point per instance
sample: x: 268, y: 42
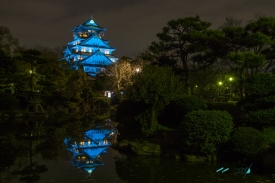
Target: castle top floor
x: 87, y: 29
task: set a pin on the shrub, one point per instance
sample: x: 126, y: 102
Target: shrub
x: 269, y: 135
x: 130, y: 114
x: 258, y: 105
x: 247, y: 141
x: 177, y: 109
x: 264, y: 117
x: 202, y: 131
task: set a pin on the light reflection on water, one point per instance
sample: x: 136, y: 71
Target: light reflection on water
x: 117, y: 168
x: 120, y: 169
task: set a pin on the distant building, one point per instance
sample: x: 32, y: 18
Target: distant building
x: 88, y: 51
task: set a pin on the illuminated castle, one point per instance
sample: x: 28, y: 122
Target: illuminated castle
x: 88, y: 51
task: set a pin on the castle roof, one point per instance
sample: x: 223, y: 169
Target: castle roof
x: 89, y: 25
x: 95, y: 58
x: 96, y: 40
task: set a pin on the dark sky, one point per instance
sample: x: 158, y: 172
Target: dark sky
x: 131, y: 24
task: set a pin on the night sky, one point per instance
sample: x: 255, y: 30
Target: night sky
x: 131, y: 24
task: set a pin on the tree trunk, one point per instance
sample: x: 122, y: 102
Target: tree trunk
x: 241, y: 84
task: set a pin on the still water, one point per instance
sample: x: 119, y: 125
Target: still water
x: 37, y: 151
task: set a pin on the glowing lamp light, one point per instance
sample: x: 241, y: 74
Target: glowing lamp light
x: 230, y: 79
x: 220, y: 83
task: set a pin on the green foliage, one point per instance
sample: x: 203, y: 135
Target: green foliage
x: 260, y: 85
x: 187, y: 40
x: 258, y: 106
x: 143, y: 119
x: 8, y: 43
x: 8, y: 102
x: 76, y: 81
x: 155, y: 84
x: 177, y: 109
x: 76, y: 98
x: 266, y: 116
x: 246, y: 59
x: 269, y: 135
x: 102, y: 82
x: 202, y: 131
x: 247, y: 141
x: 101, y: 102
x: 156, y: 87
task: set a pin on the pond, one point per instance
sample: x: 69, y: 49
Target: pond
x: 67, y: 152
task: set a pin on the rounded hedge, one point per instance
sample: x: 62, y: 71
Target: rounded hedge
x: 247, y: 141
x: 202, y: 131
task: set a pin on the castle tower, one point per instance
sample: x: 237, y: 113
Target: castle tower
x: 88, y: 50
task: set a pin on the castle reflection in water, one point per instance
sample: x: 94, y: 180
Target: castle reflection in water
x: 86, y: 152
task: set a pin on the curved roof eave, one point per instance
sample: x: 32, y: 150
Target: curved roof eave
x: 97, y: 52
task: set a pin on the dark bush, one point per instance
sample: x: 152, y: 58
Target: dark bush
x: 8, y: 102
x: 247, y: 141
x: 236, y: 98
x: 128, y: 114
x: 55, y: 98
x: 202, y: 131
x: 177, y: 109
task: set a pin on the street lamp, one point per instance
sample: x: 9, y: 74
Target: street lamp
x: 230, y: 94
x: 137, y: 70
x: 219, y: 88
